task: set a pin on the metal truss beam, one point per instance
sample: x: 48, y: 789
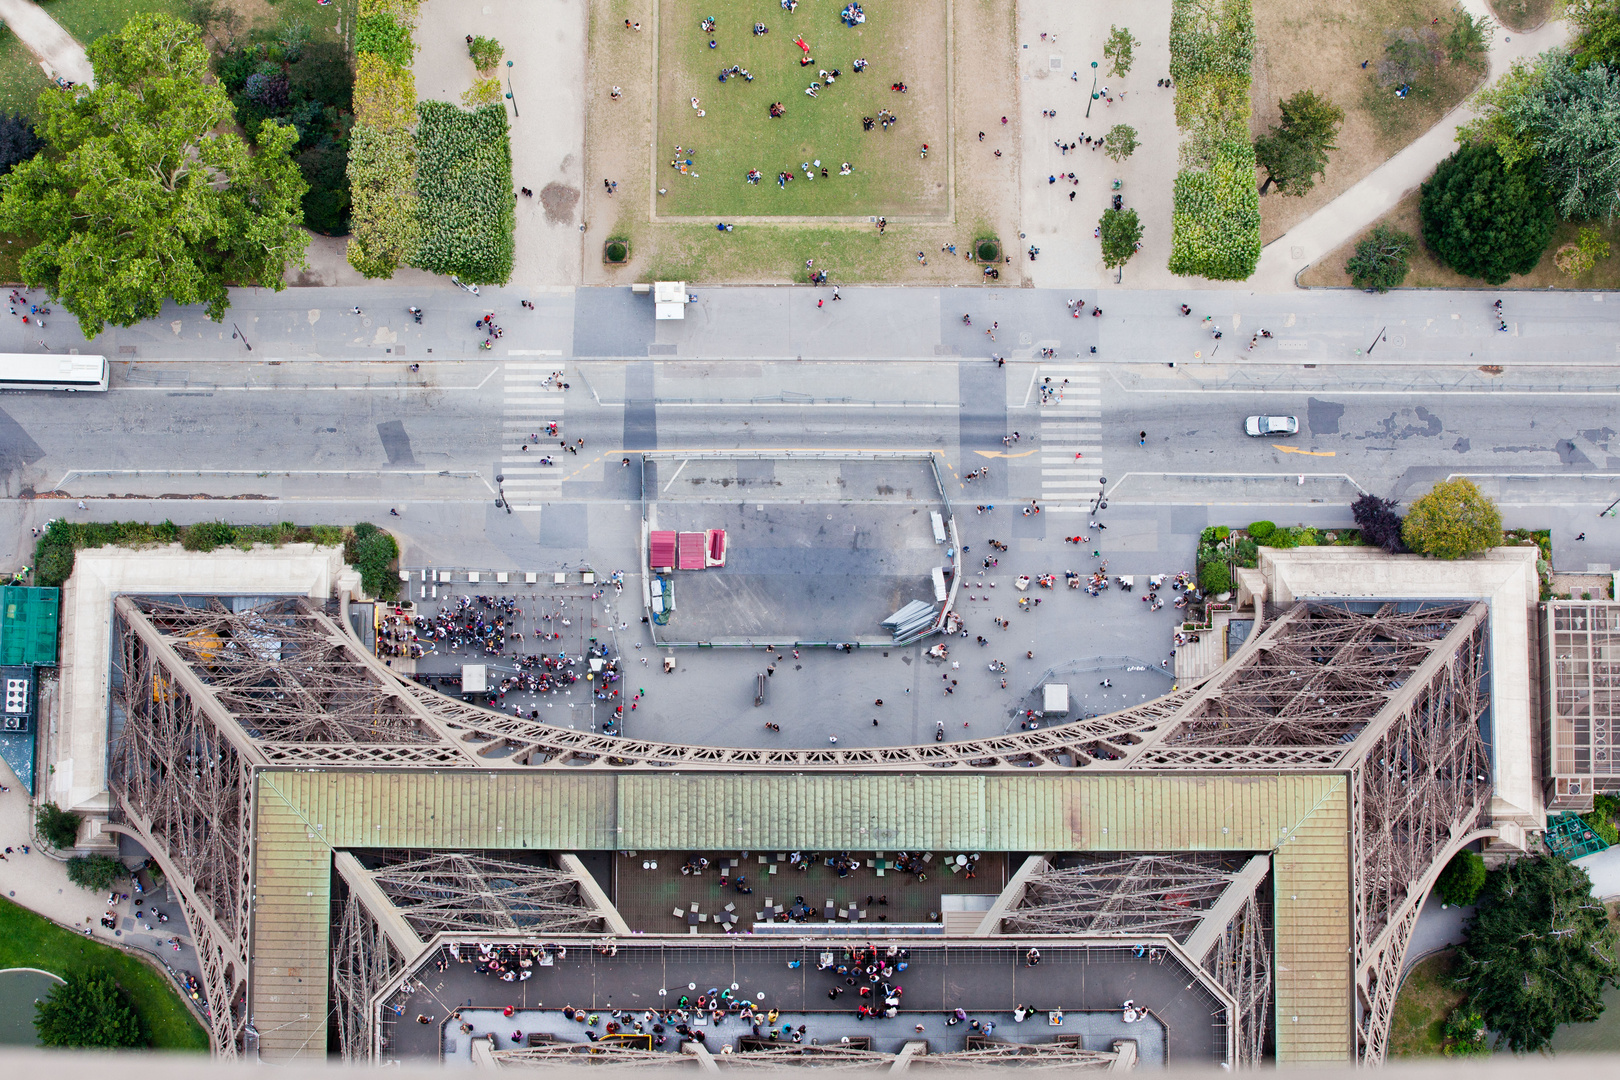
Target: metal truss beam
x: 459, y: 893
x: 1420, y: 784
x: 364, y: 959
x: 181, y: 777
x: 1241, y: 962
x: 1137, y: 894
x: 1318, y: 678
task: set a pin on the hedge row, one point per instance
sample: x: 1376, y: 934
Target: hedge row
x: 464, y: 185
x: 382, y: 155
x: 1215, y: 222
x: 53, y: 555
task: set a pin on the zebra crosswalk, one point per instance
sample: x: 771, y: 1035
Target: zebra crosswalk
x: 1071, y: 432
x: 530, y: 400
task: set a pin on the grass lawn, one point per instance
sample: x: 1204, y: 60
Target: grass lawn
x: 1520, y: 15
x: 1425, y: 1000
x: 21, y: 78
x: 87, y: 20
x: 737, y: 133
x: 760, y: 252
x: 1305, y: 45
x: 27, y: 940
x: 1428, y: 272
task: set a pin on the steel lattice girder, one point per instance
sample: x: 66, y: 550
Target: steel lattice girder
x: 182, y: 762
x: 363, y: 961
x: 1241, y: 963
x: 182, y: 777
x: 1420, y: 785
x: 1314, y: 680
x: 1139, y: 894
x: 449, y: 891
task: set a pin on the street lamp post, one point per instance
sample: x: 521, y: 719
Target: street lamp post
x: 1093, y: 88
x: 509, y: 95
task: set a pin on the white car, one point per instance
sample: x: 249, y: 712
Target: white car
x: 1271, y: 425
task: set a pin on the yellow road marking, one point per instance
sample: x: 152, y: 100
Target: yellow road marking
x: 1307, y: 453
x: 998, y: 453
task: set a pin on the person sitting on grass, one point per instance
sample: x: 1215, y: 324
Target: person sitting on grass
x: 845, y: 170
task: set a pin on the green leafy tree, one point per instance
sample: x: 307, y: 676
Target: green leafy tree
x: 1121, y: 232
x: 59, y: 827
x: 1601, y: 819
x: 1294, y: 152
x: 1468, y: 37
x: 1452, y: 521
x: 142, y: 195
x: 88, y: 1010
x: 1120, y: 142
x: 1577, y: 258
x: 373, y: 551
x: 1119, y: 50
x: 1539, y: 952
x: 1459, y: 883
x: 381, y: 34
x: 1466, y: 1034
x: 486, y: 52
x: 1566, y: 116
x: 1498, y: 109
x: 95, y: 872
x: 1380, y: 262
x: 1483, y: 219
x: 1597, y: 32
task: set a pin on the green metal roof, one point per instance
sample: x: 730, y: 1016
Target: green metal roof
x: 301, y: 817
x: 28, y: 625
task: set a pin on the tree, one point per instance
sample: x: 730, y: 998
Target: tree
x: 1539, y: 952
x: 1119, y: 51
x: 1483, y: 219
x: 1120, y: 142
x: 1294, y: 152
x: 1121, y: 231
x: 1379, y: 524
x: 59, y: 827
x: 88, y: 1010
x: 1469, y: 37
x: 1380, y: 261
x: 1466, y: 1034
x: 1569, y: 118
x: 1459, y: 883
x: 486, y: 52
x: 18, y: 142
x: 1452, y: 521
x: 95, y: 872
x: 142, y: 196
x: 1577, y: 258
x: 1597, y: 32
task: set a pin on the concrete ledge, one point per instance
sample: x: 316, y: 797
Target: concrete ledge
x: 77, y: 747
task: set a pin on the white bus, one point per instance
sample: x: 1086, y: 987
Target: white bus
x: 49, y: 371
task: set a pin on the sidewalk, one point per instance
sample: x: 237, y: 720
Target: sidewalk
x: 1378, y: 192
x: 1057, y: 76
x: 545, y: 45
x: 55, y: 48
x: 40, y: 883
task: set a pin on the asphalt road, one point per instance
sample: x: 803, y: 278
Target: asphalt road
x: 318, y: 440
